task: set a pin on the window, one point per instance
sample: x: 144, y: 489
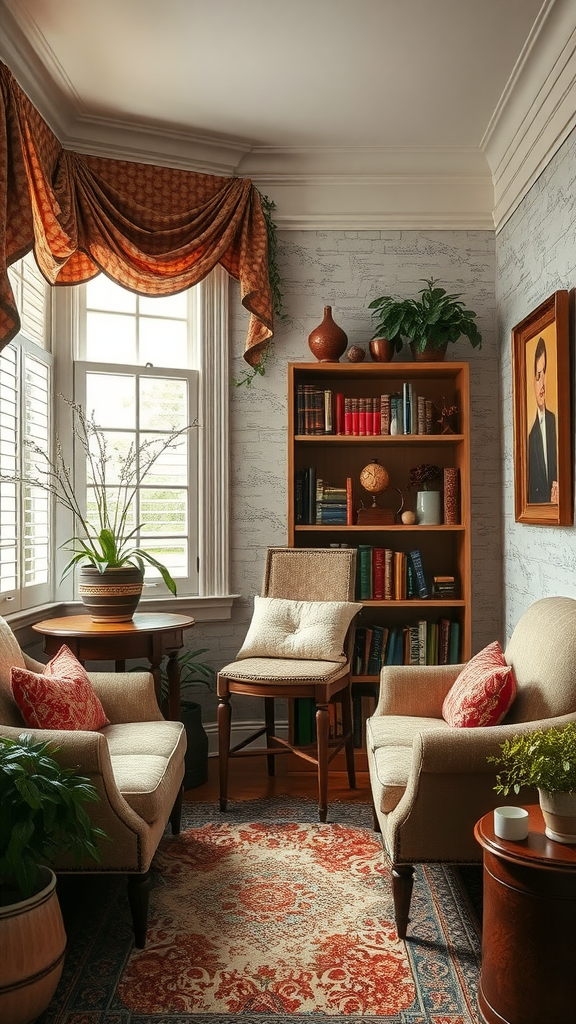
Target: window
x: 103, y: 337
x: 25, y: 431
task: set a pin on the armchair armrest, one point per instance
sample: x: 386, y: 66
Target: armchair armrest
x: 464, y: 751
x: 127, y: 696
x: 417, y: 690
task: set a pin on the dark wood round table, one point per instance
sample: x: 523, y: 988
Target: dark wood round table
x: 150, y: 635
x: 528, y: 971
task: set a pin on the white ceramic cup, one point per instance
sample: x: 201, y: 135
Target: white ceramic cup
x: 511, y: 822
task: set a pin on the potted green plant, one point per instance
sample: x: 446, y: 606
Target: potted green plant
x: 428, y: 323
x: 111, y: 562
x: 544, y: 759
x: 43, y: 814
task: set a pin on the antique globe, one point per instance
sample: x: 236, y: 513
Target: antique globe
x: 374, y: 479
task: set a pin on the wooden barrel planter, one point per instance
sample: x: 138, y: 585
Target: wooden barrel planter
x: 33, y: 943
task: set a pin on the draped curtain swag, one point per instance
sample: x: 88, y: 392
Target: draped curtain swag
x: 155, y: 230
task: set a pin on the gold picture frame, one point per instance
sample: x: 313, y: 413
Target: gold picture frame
x: 542, y: 415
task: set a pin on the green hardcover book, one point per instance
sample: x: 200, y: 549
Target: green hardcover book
x: 365, y: 572
x: 454, y: 643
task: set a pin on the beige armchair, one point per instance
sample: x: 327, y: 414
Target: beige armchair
x: 136, y: 764
x: 431, y: 783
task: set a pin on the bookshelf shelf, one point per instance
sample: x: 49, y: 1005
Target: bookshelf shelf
x: 370, y: 439
x: 392, y: 528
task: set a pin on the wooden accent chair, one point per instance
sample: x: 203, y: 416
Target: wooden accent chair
x: 136, y: 765
x: 307, y: 575
x: 431, y: 783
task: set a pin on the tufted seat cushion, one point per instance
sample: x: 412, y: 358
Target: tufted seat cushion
x: 276, y: 669
x: 315, y: 630
x: 144, y: 758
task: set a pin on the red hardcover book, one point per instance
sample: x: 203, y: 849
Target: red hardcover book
x: 369, y: 417
x: 339, y: 413
x: 378, y: 573
x: 355, y: 415
x: 348, y: 416
x: 362, y: 417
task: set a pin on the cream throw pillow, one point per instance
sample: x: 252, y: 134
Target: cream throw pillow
x: 313, y: 630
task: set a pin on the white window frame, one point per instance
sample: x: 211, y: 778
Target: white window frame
x: 210, y: 311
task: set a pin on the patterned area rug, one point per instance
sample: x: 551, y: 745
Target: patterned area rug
x: 265, y: 914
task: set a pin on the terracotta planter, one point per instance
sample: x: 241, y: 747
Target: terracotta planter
x: 327, y: 341
x: 428, y: 354
x: 559, y: 813
x: 112, y: 595
x: 381, y: 350
x: 33, y: 943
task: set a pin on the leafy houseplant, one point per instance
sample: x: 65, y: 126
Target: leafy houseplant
x: 431, y: 321
x: 106, y: 538
x: 42, y: 812
x: 423, y: 476
x: 545, y: 759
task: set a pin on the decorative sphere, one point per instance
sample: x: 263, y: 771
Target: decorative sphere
x: 356, y: 354
x: 408, y: 518
x: 374, y: 478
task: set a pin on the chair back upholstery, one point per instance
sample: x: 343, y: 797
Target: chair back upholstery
x: 310, y: 574
x: 10, y: 654
x: 542, y: 652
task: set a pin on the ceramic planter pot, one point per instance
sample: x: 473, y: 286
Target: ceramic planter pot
x: 381, y: 350
x: 559, y: 813
x: 33, y: 943
x: 428, y: 511
x: 428, y: 354
x: 112, y: 595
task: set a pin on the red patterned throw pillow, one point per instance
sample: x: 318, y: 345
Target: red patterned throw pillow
x: 61, y: 697
x: 483, y: 692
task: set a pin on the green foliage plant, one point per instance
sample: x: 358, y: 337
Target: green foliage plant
x: 545, y: 759
x: 42, y: 813
x: 107, y: 541
x: 434, y: 319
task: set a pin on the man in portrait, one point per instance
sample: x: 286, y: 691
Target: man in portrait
x: 542, y: 457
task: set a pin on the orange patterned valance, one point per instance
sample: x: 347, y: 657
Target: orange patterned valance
x: 153, y: 229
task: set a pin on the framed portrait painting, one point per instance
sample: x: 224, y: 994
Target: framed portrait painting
x: 542, y: 415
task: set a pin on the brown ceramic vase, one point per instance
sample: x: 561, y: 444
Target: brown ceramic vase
x: 327, y: 341
x: 381, y: 350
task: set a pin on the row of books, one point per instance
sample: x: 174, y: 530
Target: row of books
x: 419, y: 643
x: 386, y: 575
x: 321, y: 411
x: 364, y: 697
x: 319, y: 503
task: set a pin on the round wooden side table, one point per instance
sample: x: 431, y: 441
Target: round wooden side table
x: 150, y: 635
x: 528, y: 971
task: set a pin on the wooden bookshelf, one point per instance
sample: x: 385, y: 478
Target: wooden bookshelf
x: 445, y: 549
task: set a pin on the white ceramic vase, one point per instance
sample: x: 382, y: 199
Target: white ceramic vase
x: 428, y: 512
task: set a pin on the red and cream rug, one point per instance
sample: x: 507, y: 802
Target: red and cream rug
x: 259, y: 915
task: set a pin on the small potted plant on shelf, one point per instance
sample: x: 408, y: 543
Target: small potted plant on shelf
x: 43, y: 815
x: 110, y: 560
x: 544, y: 759
x: 428, y: 323
x: 422, y: 477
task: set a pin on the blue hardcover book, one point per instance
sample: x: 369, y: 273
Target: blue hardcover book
x: 419, y: 571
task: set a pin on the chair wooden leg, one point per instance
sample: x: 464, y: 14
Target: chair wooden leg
x: 348, y: 731
x: 402, y: 883
x: 176, y: 813
x: 224, y: 718
x: 270, y: 726
x: 138, y: 897
x: 322, y: 734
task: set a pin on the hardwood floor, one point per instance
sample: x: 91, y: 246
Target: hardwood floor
x: 249, y: 780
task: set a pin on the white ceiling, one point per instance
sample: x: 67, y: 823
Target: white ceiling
x: 282, y: 90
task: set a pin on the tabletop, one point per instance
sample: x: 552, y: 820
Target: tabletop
x: 142, y: 622
x: 536, y: 851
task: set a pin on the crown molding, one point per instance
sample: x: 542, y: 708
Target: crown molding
x: 537, y: 110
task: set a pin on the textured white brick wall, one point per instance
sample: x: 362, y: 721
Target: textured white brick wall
x: 536, y: 256
x: 346, y: 269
